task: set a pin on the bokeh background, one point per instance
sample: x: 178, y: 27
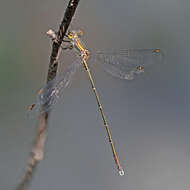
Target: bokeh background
x: 149, y: 116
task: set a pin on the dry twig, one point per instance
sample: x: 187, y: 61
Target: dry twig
x: 38, y: 149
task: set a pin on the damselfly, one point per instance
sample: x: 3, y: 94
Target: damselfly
x: 125, y: 64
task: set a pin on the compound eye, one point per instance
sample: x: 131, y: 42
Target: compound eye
x: 70, y: 35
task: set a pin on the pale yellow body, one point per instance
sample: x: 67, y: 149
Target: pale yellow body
x: 84, y: 53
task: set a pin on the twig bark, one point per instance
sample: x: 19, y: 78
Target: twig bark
x: 38, y: 149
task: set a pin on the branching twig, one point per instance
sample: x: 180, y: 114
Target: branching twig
x: 38, y: 149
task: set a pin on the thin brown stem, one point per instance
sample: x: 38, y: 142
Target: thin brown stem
x: 38, y: 148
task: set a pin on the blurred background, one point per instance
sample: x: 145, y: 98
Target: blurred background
x: 149, y: 116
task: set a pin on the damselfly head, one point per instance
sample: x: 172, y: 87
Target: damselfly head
x: 71, y: 34
x: 74, y: 33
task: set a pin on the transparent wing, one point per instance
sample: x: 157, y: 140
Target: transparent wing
x: 126, y: 64
x: 53, y: 90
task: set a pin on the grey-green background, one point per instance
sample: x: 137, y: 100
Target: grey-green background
x: 149, y: 117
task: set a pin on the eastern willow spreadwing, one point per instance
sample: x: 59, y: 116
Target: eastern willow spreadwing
x: 124, y: 64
